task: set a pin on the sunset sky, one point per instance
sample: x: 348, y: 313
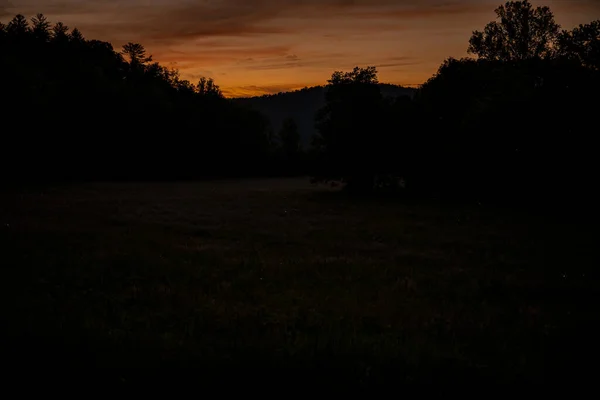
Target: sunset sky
x: 264, y: 46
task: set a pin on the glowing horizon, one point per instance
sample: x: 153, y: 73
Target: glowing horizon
x: 255, y: 47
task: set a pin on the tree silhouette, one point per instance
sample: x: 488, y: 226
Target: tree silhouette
x: 136, y: 54
x: 208, y: 87
x: 582, y: 44
x: 18, y: 27
x: 364, y: 76
x: 521, y: 33
x: 76, y: 36
x: 41, y: 27
x: 350, y: 128
x: 80, y: 85
x: 290, y: 138
x: 60, y: 32
x: 505, y: 127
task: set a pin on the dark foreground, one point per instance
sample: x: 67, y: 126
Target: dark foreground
x: 278, y: 281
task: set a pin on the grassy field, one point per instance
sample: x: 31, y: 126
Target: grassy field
x: 240, y: 278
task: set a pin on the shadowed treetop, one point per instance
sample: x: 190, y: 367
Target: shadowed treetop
x: 582, y: 44
x: 366, y: 75
x: 522, y: 32
x: 136, y: 53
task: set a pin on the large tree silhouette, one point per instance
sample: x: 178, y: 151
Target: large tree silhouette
x: 522, y: 32
x: 349, y: 129
x: 60, y: 32
x: 290, y: 138
x: 18, y: 26
x: 76, y: 36
x: 41, y: 27
x: 511, y: 124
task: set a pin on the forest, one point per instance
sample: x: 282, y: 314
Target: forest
x: 514, y: 122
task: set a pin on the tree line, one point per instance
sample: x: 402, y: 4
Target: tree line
x: 517, y: 122
x: 514, y: 122
x: 78, y: 109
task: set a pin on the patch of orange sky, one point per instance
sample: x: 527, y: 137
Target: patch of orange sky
x: 254, y: 47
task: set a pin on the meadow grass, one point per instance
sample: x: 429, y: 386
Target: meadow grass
x: 245, y: 276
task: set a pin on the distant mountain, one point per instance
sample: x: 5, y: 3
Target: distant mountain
x: 302, y: 105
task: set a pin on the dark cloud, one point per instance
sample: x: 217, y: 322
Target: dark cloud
x: 398, y: 64
x: 165, y: 21
x: 393, y: 62
x: 313, y: 59
x: 281, y: 65
x: 260, y: 17
x: 239, y: 55
x: 162, y: 20
x: 281, y: 62
x: 431, y: 10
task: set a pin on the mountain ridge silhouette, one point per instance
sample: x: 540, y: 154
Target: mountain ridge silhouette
x: 302, y: 105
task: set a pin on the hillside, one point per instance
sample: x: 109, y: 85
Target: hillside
x: 302, y: 105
